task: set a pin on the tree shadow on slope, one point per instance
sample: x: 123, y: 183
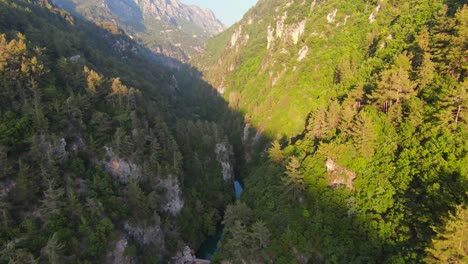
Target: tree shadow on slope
x: 313, y: 216
x: 307, y: 221
x: 314, y: 223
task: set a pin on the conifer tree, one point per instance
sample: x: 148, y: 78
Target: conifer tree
x: 451, y: 243
x: 53, y: 202
x: 26, y: 188
x: 458, y: 47
x: 454, y: 102
x: 364, y: 134
x: 53, y: 250
x: 317, y: 123
x: 260, y: 235
x: 275, y: 151
x: 395, y: 84
x: 426, y: 68
x: 294, y: 180
x: 137, y: 201
x: 237, y: 245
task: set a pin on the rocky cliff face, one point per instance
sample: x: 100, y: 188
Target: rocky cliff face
x: 174, y: 12
x: 125, y: 171
x: 167, y: 27
x: 172, y: 201
x: 224, y: 155
x: 338, y: 175
x: 117, y: 255
x: 171, y: 12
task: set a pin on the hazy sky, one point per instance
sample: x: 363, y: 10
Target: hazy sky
x: 228, y: 11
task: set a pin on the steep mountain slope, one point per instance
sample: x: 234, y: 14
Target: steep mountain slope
x: 109, y: 157
x: 105, y: 155
x: 286, y: 58
x: 167, y: 27
x: 365, y: 104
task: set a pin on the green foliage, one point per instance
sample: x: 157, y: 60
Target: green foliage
x: 244, y: 239
x: 275, y: 153
x: 450, y: 244
x: 294, y: 181
x: 88, y: 133
x: 375, y: 155
x: 376, y: 165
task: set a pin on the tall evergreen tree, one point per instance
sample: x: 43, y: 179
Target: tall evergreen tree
x: 294, y: 180
x: 53, y: 250
x: 451, y: 243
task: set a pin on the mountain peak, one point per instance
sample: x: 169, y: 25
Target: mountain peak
x: 165, y: 26
x: 174, y: 11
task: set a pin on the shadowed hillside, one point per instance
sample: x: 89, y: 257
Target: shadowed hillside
x: 344, y: 120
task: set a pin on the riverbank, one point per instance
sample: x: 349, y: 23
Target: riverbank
x: 210, y: 245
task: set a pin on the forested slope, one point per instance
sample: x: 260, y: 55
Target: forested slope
x: 365, y: 103
x: 286, y: 58
x: 105, y: 156
x: 354, y: 149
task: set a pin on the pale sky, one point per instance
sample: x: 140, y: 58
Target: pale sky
x: 228, y: 11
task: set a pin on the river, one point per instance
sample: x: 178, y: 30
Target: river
x: 210, y: 246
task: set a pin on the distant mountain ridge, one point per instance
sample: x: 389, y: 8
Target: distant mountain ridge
x: 169, y: 11
x: 167, y: 27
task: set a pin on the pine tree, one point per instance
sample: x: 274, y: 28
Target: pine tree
x: 155, y: 154
x: 102, y: 125
x: 395, y: 84
x: 53, y: 250
x: 317, y: 126
x: 458, y: 47
x: 426, y: 68
x: 73, y: 203
x: 455, y: 103
x: 137, y: 202
x: 260, y: 235
x: 333, y: 116
x: 450, y: 42
x: 294, y: 181
x: 451, y: 242
x: 123, y: 143
x: 237, y: 245
x: 26, y: 187
x: 53, y: 202
x: 351, y: 105
x: 364, y: 134
x: 274, y: 152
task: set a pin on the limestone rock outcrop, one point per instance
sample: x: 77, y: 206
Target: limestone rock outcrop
x: 224, y: 155
x: 172, y: 201
x: 338, y: 175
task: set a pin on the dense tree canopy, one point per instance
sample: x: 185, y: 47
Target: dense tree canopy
x: 353, y: 150
x: 369, y: 161
x: 101, y: 145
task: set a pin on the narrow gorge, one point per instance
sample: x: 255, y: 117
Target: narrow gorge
x: 308, y: 131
